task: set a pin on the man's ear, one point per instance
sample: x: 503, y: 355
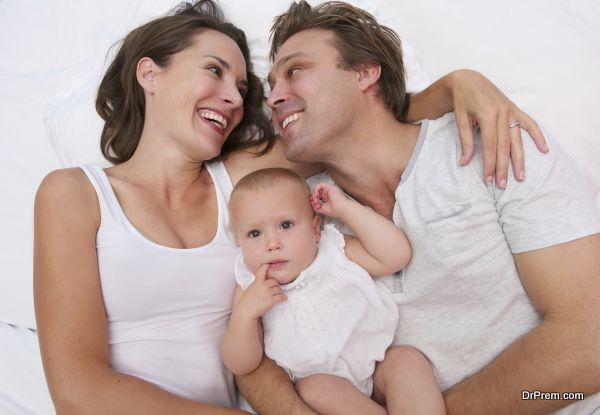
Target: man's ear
x: 368, y: 75
x: 316, y: 223
x: 146, y: 74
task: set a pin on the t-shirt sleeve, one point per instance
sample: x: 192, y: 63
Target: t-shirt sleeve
x: 552, y: 206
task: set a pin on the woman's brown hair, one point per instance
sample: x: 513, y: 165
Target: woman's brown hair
x: 120, y: 100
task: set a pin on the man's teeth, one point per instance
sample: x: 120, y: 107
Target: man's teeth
x: 213, y: 116
x: 289, y: 119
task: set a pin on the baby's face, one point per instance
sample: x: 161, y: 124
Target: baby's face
x: 276, y: 227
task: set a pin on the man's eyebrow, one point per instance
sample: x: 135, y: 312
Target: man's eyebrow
x: 281, y: 62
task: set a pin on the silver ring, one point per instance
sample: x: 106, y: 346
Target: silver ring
x: 514, y: 124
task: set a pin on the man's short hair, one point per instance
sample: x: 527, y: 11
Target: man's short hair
x: 359, y: 39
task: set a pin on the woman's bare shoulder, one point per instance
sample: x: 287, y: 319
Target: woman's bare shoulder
x: 67, y: 190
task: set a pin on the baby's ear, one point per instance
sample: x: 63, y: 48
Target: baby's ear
x: 316, y: 223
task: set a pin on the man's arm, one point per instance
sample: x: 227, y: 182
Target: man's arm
x: 477, y: 101
x: 271, y: 392
x: 559, y: 355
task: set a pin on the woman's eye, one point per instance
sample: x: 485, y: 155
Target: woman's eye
x: 292, y: 71
x: 286, y: 225
x: 215, y: 69
x: 254, y: 233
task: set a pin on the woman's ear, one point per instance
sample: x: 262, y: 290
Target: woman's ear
x: 368, y: 75
x: 146, y: 74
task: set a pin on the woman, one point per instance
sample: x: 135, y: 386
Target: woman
x: 133, y: 266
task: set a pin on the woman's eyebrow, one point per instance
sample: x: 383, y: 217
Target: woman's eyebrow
x: 221, y: 61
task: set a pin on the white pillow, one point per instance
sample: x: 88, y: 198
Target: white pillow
x: 73, y: 127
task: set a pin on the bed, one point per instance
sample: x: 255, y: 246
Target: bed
x: 544, y: 54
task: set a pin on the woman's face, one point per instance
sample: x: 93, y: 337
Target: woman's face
x: 197, y: 98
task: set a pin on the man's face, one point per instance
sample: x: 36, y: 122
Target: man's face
x: 312, y: 99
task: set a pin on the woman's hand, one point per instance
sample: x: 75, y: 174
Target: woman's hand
x: 479, y: 103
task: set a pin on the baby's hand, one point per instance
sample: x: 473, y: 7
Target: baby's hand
x: 261, y: 295
x: 328, y: 200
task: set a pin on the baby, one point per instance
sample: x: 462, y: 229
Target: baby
x: 326, y: 322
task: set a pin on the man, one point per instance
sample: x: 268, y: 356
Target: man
x: 501, y: 294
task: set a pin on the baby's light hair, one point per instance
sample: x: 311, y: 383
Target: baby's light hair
x: 264, y: 179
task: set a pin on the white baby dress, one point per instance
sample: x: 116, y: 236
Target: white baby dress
x: 336, y: 319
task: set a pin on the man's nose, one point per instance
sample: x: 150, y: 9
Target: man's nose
x: 277, y: 96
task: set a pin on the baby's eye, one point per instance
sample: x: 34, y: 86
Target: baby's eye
x: 286, y: 225
x: 254, y: 233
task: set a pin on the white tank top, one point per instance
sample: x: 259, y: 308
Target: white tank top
x: 167, y: 308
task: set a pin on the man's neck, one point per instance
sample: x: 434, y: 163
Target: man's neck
x: 372, y: 161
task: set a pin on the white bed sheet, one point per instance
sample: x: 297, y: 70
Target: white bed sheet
x: 544, y: 54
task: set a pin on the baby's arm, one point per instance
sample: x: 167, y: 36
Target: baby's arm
x: 380, y: 247
x: 242, y: 343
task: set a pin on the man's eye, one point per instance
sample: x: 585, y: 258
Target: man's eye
x: 217, y: 70
x: 253, y: 233
x: 286, y: 225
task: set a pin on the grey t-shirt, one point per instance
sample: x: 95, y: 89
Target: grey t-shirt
x: 460, y: 299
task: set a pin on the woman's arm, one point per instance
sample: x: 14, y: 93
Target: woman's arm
x: 380, y: 247
x: 478, y: 102
x: 70, y: 311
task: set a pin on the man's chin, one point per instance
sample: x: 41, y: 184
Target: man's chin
x: 293, y: 153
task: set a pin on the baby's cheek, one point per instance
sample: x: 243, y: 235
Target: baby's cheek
x: 253, y: 265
